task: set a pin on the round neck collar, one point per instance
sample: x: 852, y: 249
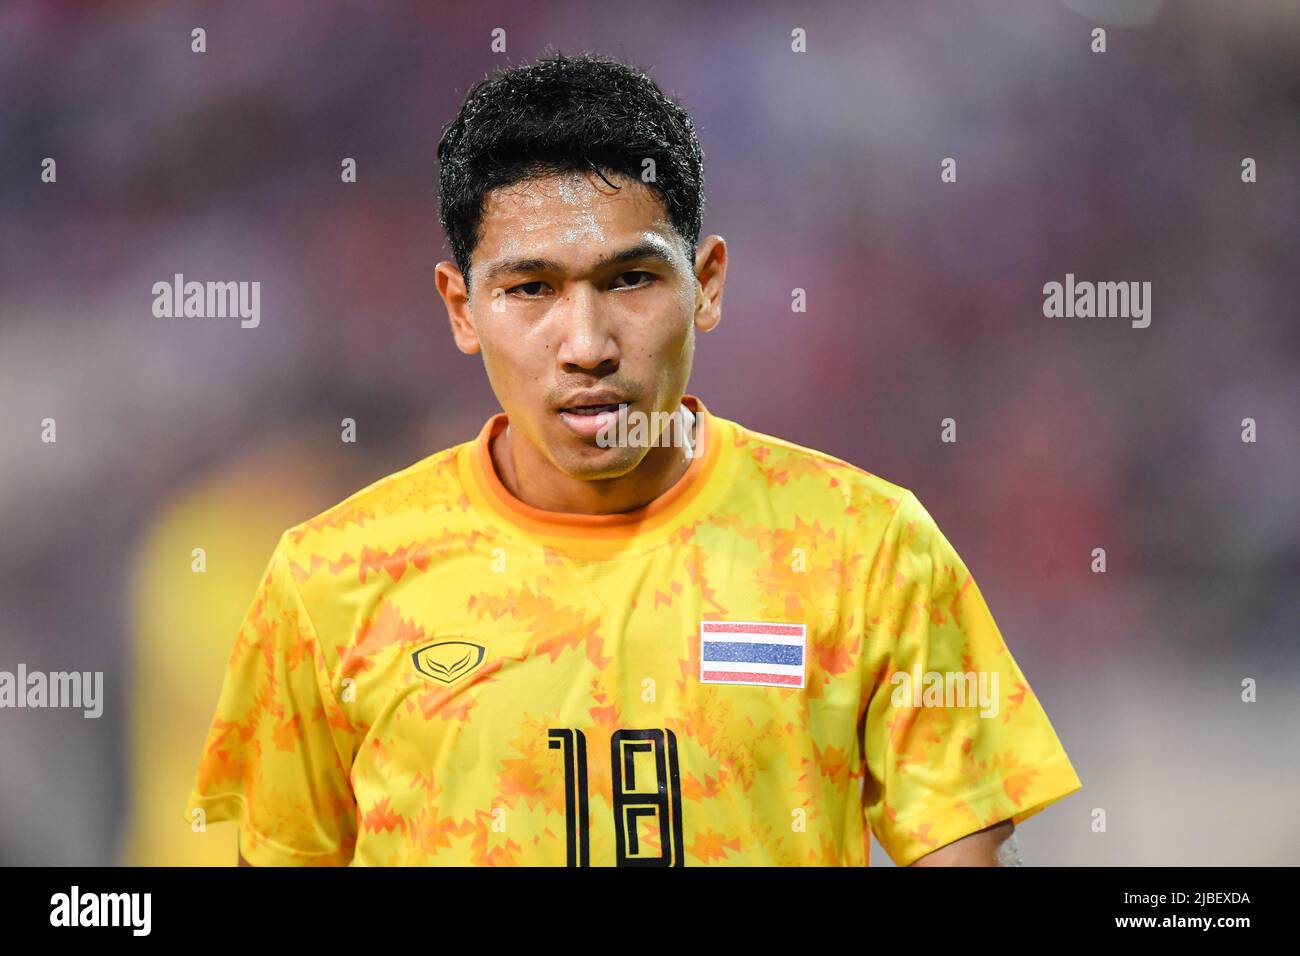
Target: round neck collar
x: 650, y: 523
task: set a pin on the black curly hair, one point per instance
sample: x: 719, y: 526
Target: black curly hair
x: 585, y: 112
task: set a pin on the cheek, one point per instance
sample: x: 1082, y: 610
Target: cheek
x: 498, y: 361
x: 667, y: 329
x: 514, y: 357
x: 676, y: 341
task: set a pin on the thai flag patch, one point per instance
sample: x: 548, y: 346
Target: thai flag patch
x: 752, y: 652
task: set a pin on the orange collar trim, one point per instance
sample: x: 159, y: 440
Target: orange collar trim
x: 621, y: 526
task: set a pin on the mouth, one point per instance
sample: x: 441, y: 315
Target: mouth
x: 588, y: 420
x: 593, y: 409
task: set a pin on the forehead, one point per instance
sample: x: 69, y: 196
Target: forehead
x: 571, y: 217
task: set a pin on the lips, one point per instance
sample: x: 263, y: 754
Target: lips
x: 591, y: 409
x: 593, y: 401
x: 588, y: 417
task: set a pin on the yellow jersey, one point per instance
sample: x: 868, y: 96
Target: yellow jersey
x: 776, y: 657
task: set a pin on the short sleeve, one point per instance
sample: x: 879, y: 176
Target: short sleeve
x: 278, y: 754
x: 954, y: 738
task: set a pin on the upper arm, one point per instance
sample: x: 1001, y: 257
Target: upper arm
x: 953, y: 734
x: 992, y: 846
x: 279, y: 748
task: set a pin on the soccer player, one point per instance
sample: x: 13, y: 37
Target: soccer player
x: 614, y: 628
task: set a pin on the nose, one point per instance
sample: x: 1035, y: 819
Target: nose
x: 587, y: 338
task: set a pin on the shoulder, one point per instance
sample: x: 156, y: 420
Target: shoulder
x: 816, y: 485
x: 377, y: 519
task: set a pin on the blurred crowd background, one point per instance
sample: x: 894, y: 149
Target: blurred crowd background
x: 823, y: 173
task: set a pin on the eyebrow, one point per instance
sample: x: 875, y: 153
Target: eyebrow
x: 640, y: 251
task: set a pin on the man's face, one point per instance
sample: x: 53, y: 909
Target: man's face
x: 576, y: 288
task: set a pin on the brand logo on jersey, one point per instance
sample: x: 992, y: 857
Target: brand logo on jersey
x: 752, y: 652
x: 448, y: 661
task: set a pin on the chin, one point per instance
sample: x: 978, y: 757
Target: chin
x: 590, y: 462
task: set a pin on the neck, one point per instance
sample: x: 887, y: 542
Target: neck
x: 550, y: 489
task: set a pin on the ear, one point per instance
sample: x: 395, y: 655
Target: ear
x: 710, y: 275
x: 451, y: 286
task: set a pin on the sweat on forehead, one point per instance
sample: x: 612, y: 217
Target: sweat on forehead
x: 522, y: 220
x: 574, y: 188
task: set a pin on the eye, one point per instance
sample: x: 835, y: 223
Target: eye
x: 532, y: 289
x: 647, y: 278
